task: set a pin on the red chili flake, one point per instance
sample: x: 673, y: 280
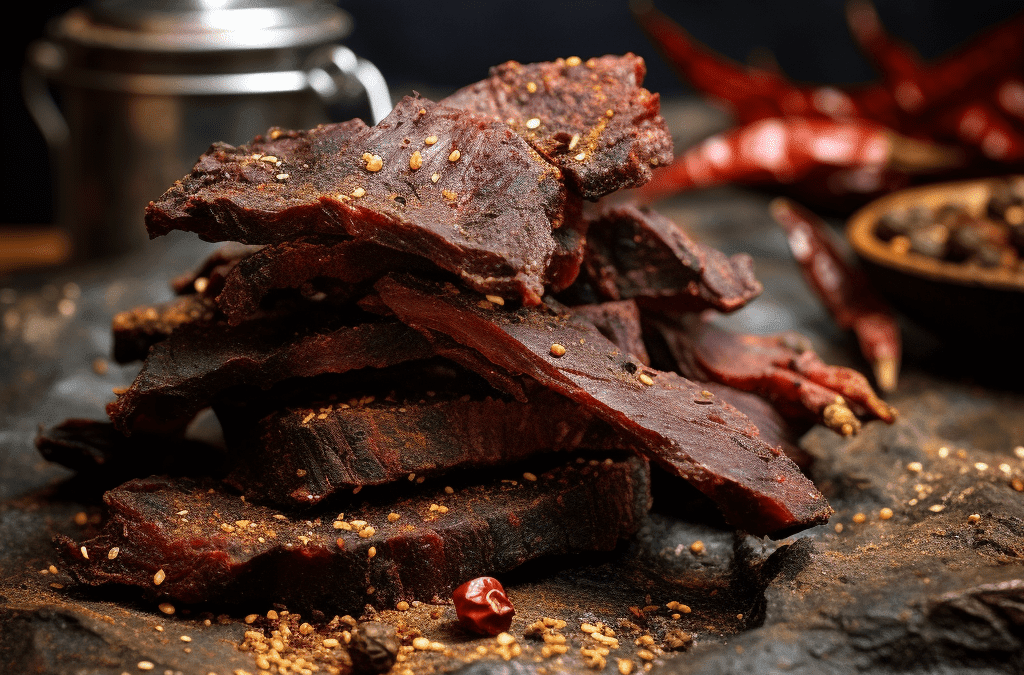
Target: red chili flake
x: 483, y: 607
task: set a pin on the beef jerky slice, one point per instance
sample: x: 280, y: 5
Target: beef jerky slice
x: 209, y: 276
x: 619, y: 321
x: 136, y: 330
x: 692, y: 434
x: 294, y: 264
x: 193, y: 542
x: 184, y: 373
x: 635, y: 253
x: 100, y: 450
x: 477, y: 201
x: 591, y: 119
x: 304, y: 455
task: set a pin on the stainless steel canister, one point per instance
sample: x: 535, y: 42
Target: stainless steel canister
x: 144, y: 86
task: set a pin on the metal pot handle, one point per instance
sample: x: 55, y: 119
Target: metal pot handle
x: 345, y: 63
x: 44, y: 59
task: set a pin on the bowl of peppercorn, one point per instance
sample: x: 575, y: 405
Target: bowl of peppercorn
x: 950, y: 256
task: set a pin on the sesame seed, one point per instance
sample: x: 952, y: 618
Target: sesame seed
x: 529, y: 476
x: 430, y: 140
x: 392, y: 517
x: 251, y: 617
x: 81, y: 518
x: 505, y: 639
x: 885, y: 513
x: 367, y: 532
x: 282, y: 176
x: 85, y: 552
x: 52, y: 569
x: 145, y: 665
x: 227, y: 528
x: 185, y: 638
x: 270, y: 159
x: 358, y: 192
x: 1019, y: 451
x: 533, y: 123
x: 305, y: 629
x: 158, y: 629
x: 166, y: 607
x: 936, y: 508
x: 331, y: 643
x: 574, y: 142
x: 415, y: 160
x: 573, y: 61
x: 420, y: 643
x: 371, y: 552
x: 625, y: 666
x: 915, y: 467
x: 448, y: 194
x: 496, y: 299
x: 943, y: 452
x: 646, y: 379
x: 454, y: 157
x: 981, y: 466
x: 159, y: 577
x: 272, y: 615
x: 402, y: 606
x: 609, y: 113
x: 839, y: 528
x: 973, y: 518
x: 435, y: 177
x: 697, y: 547
x: 557, y: 349
x: 859, y: 518
x: 374, y: 163
x: 449, y: 490
x: 531, y: 87
x: 300, y: 472
x: 580, y: 157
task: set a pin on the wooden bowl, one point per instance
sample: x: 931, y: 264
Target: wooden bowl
x: 953, y: 300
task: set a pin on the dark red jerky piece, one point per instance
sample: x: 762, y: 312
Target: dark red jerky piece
x: 706, y: 442
x: 572, y: 103
x: 184, y: 373
x: 636, y: 253
x: 214, y: 269
x: 138, y: 329
x: 295, y: 458
x: 488, y: 218
x: 209, y: 556
x: 782, y: 368
x: 293, y: 264
x: 619, y: 321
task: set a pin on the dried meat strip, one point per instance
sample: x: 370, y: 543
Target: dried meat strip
x: 636, y: 253
x: 136, y: 330
x: 783, y: 368
x: 591, y: 119
x: 304, y: 455
x: 209, y: 276
x: 294, y: 264
x: 619, y: 321
x: 193, y: 542
x: 449, y: 185
x: 675, y: 423
x: 184, y: 373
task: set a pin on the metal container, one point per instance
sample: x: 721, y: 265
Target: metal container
x: 144, y: 87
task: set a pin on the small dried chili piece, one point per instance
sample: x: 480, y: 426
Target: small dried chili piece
x: 483, y: 607
x: 845, y: 291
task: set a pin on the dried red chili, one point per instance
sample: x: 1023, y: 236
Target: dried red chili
x: 483, y: 607
x: 844, y: 290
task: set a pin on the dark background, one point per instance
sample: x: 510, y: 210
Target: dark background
x: 439, y: 46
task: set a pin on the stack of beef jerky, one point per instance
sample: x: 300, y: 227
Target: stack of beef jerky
x: 386, y: 319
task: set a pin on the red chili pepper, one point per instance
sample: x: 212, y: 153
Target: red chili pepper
x: 483, y: 607
x: 844, y: 290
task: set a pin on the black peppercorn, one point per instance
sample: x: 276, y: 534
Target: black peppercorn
x: 374, y: 647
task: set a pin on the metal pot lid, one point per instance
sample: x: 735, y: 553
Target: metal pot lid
x: 202, y: 25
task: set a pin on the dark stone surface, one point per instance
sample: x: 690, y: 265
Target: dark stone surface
x: 928, y: 590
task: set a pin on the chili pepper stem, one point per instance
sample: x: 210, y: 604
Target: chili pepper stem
x: 886, y: 370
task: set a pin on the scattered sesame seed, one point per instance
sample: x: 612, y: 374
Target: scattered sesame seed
x: 574, y: 142
x: 85, y: 552
x: 416, y: 160
x: 305, y: 629
x: 839, y: 528
x: 505, y: 639
x: 936, y: 508
x: 448, y: 194
x: 580, y: 157
x: 272, y: 615
x: 557, y: 349
x: 392, y: 517
x: 885, y: 513
x: 434, y: 178
x: 449, y: 490
x: 529, y: 476
x: 859, y: 518
x: 1017, y: 484
x: 645, y: 378
x: 974, y: 517
x: 402, y: 606
x: 158, y: 629
x: 331, y: 643
x: 159, y: 577
x: 430, y: 140
x: 533, y: 123
x: 185, y: 638
x: 915, y: 467
x: 531, y: 87
x: 697, y: 547
x: 300, y: 472
x: 358, y: 192
x: 145, y: 665
x: 573, y: 61
x: 1019, y: 451
x: 454, y: 156
x: 420, y: 643
x: 52, y: 569
x: 269, y: 159
x: 943, y: 452
x: 251, y: 617
x: 645, y: 654
x: 1005, y: 468
x: 496, y: 299
x: 981, y: 466
x: 283, y: 176
x: 227, y: 528
x: 371, y: 552
x: 81, y: 518
x: 374, y: 163
x: 609, y: 113
x: 367, y: 532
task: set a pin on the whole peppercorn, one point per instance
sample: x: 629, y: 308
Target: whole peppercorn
x: 374, y: 647
x: 483, y: 607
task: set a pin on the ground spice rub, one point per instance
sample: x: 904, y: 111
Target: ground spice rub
x: 488, y: 216
x: 207, y: 545
x: 591, y: 119
x: 674, y: 421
